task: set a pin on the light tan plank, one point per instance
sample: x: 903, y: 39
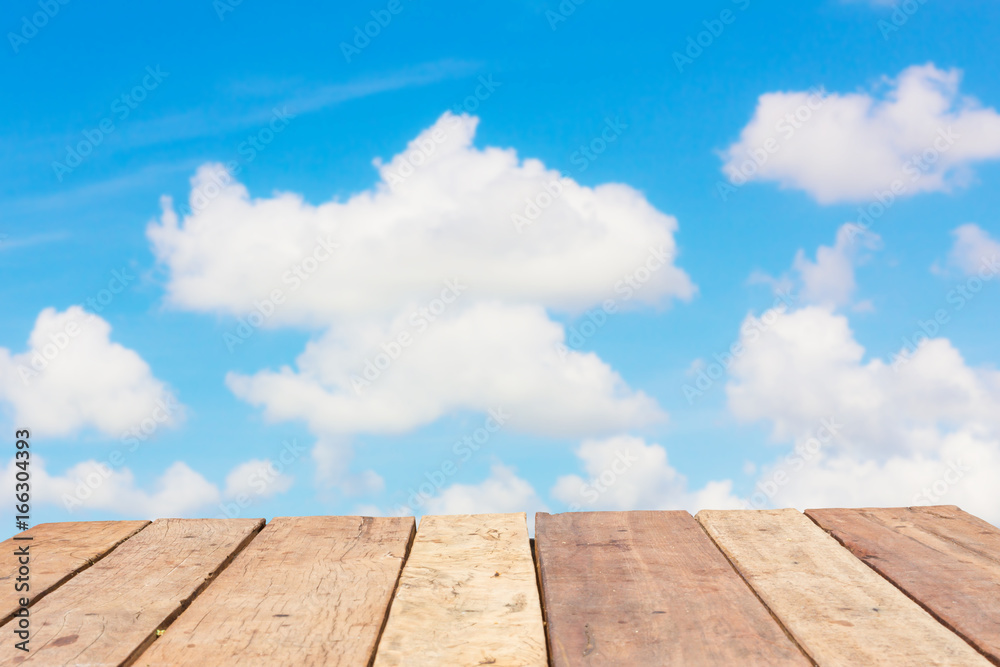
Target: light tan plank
x: 837, y: 609
x: 467, y: 596
x: 306, y: 591
x: 111, y: 611
x: 948, y: 561
x: 56, y: 552
x: 649, y: 588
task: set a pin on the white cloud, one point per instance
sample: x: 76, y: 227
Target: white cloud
x: 975, y: 251
x: 962, y: 471
x: 179, y: 492
x: 503, y: 491
x: 332, y: 457
x: 450, y: 219
x: 487, y: 356
x: 257, y: 478
x: 624, y: 473
x: 90, y: 485
x: 848, y: 147
x: 898, y: 424
x: 73, y: 377
x: 464, y: 251
x: 830, y: 279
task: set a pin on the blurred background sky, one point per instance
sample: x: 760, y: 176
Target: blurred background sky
x: 890, y: 78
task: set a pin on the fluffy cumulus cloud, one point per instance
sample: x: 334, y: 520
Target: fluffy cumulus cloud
x: 503, y: 491
x: 487, y: 356
x: 257, y: 477
x: 72, y: 377
x: 920, y: 135
x: 90, y: 485
x: 93, y: 486
x: 625, y: 473
x: 829, y: 279
x: 975, y: 252
x: 429, y: 293
x: 921, y: 427
x: 441, y: 210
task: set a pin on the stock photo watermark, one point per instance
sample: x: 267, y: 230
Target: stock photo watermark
x: 914, y: 167
x: 535, y: 206
x: 248, y: 150
x: 296, y: 276
x: 627, y: 288
x: 165, y: 409
x: 551, y: 191
x: 426, y: 147
x: 381, y: 18
x: 781, y: 474
x: 708, y: 374
x: 759, y: 156
x: 30, y: 25
x: 262, y: 479
x: 958, y: 297
x: 935, y: 492
x: 565, y: 9
x: 121, y: 108
x: 59, y: 341
x: 592, y: 490
x: 901, y: 13
x: 590, y: 151
x: 420, y: 320
x: 463, y: 450
x: 696, y: 44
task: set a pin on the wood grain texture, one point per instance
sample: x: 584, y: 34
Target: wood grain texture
x: 109, y: 612
x: 467, y: 596
x: 837, y: 609
x: 649, y: 588
x: 57, y: 551
x: 948, y: 561
x: 306, y: 591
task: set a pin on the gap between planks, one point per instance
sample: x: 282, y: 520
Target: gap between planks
x: 184, y: 603
x: 770, y: 611
x: 49, y: 551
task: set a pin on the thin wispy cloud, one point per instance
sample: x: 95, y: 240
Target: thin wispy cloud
x: 8, y: 242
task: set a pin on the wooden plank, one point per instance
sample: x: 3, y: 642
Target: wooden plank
x: 836, y: 608
x: 946, y: 560
x: 111, y: 611
x: 56, y: 552
x: 649, y: 588
x: 306, y: 591
x: 467, y: 596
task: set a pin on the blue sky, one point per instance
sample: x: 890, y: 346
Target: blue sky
x: 317, y: 131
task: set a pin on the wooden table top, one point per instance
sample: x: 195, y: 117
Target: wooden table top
x: 900, y: 586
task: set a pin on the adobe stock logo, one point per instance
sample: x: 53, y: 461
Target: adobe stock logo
x: 381, y: 18
x: 30, y: 27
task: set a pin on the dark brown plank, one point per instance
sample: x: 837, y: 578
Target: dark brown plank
x: 306, y: 591
x: 111, y: 611
x: 649, y: 588
x: 56, y: 552
x: 946, y: 560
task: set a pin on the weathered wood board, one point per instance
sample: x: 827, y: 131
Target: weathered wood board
x: 467, y: 596
x: 649, y: 588
x: 306, y: 591
x: 56, y: 552
x: 839, y: 610
x: 948, y: 561
x: 111, y: 611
